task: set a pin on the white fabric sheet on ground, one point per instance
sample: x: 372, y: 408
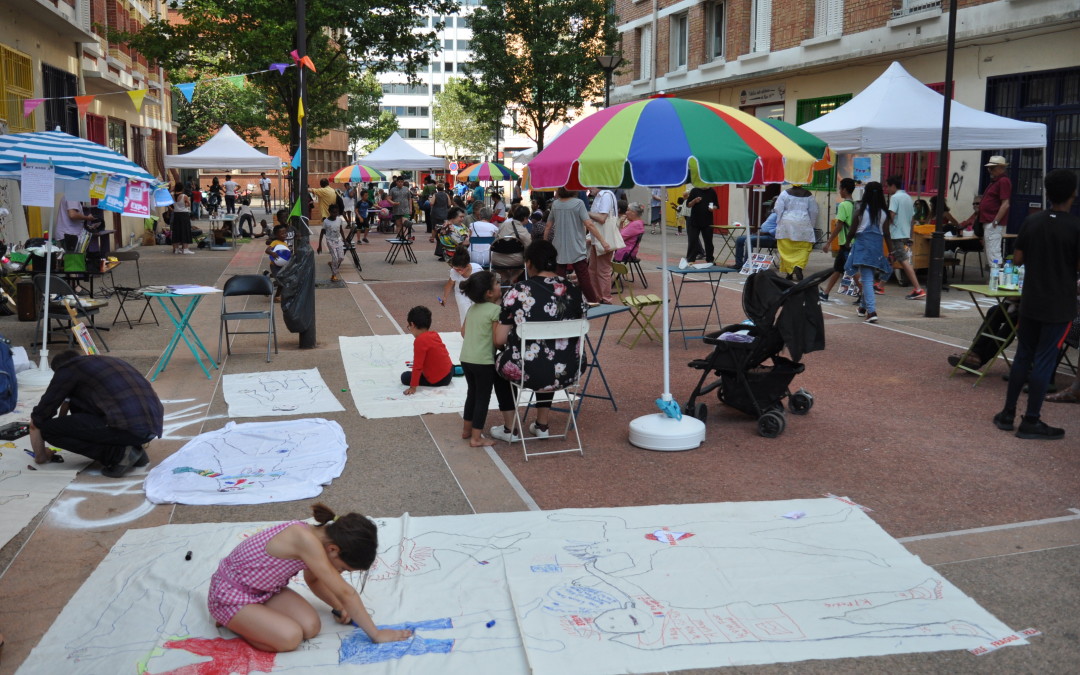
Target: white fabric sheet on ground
x: 374, y: 365
x: 596, y: 591
x: 252, y: 463
x: 278, y: 393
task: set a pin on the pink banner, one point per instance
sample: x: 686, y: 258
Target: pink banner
x: 137, y: 201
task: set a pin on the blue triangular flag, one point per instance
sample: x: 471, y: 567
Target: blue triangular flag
x: 296, y: 159
x: 187, y: 89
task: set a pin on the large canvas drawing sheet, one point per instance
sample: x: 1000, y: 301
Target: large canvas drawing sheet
x: 595, y: 591
x: 374, y: 365
x: 252, y: 463
x: 278, y: 393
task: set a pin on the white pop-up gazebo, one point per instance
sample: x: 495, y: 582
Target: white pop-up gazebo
x: 396, y: 153
x: 898, y: 113
x: 225, y: 151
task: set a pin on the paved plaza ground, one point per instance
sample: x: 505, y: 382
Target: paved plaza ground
x: 996, y: 516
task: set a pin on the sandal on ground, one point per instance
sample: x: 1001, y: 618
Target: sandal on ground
x: 1066, y: 396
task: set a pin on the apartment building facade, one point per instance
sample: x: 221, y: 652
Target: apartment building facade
x: 57, y: 49
x: 798, y: 59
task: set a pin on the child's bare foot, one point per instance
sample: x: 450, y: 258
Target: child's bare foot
x: 478, y: 442
x: 466, y: 431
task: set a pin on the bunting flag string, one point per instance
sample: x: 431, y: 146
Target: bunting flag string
x: 306, y: 61
x: 137, y: 95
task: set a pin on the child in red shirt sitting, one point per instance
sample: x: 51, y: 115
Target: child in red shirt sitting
x: 431, y: 365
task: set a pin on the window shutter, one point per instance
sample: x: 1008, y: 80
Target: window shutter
x: 762, y: 26
x: 646, y: 53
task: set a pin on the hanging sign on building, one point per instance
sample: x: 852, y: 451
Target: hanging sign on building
x: 757, y: 95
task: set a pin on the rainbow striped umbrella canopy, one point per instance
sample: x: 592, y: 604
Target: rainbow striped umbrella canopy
x: 817, y: 148
x: 358, y: 173
x: 486, y: 171
x: 669, y: 142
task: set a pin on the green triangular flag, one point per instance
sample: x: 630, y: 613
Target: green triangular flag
x: 295, y: 213
x: 237, y: 80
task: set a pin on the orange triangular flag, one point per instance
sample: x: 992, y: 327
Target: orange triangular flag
x: 137, y: 97
x: 305, y: 60
x: 83, y: 102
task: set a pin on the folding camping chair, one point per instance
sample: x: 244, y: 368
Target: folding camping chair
x: 532, y: 331
x: 643, y: 308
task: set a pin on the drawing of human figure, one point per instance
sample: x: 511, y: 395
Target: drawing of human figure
x: 267, y: 389
x: 647, y: 622
x: 420, y: 554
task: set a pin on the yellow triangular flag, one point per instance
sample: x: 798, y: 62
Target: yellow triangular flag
x: 300, y: 112
x: 137, y: 97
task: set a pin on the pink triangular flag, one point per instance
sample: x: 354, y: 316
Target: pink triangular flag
x: 83, y: 102
x: 30, y: 105
x: 295, y: 56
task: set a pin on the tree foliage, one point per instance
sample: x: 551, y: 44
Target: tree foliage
x: 377, y: 132
x: 541, y: 56
x: 461, y: 123
x: 367, y: 121
x: 225, y: 37
x: 216, y: 103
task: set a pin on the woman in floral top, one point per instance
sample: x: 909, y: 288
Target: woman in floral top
x: 550, y: 365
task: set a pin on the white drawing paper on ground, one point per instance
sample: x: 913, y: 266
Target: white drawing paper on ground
x: 252, y: 463
x: 642, y: 589
x: 24, y: 493
x: 278, y: 393
x: 374, y: 365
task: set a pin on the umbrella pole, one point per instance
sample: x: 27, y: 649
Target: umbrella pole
x: 660, y: 431
x: 42, y: 375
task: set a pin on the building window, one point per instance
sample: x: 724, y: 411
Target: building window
x: 118, y: 136
x: 828, y: 18
x: 915, y: 6
x: 399, y: 88
x: 463, y: 22
x: 809, y: 109
x: 16, y: 85
x: 463, y: 45
x: 679, y: 39
x: 644, y: 52
x: 436, y: 89
x: 714, y: 31
x: 448, y: 67
x: 60, y: 111
x: 448, y: 45
x: 436, y: 66
x: 760, y: 26
x: 918, y: 170
x: 138, y: 146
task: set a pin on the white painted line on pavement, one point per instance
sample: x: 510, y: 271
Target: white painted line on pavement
x: 993, y: 528
x: 511, y: 479
x: 386, y: 312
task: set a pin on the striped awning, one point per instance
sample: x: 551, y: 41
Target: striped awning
x: 73, y: 157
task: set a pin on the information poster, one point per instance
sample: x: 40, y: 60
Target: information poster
x: 38, y: 185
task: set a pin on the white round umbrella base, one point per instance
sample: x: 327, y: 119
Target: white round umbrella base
x: 660, y: 432
x: 35, y: 377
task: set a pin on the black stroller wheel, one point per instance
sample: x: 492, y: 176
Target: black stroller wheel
x: 801, y: 402
x: 771, y: 424
x: 701, y: 411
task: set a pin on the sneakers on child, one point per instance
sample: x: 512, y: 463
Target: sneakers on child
x: 188, y: 251
x: 861, y: 311
x: 1004, y: 420
x: 916, y: 294
x: 535, y: 430
x: 822, y: 296
x: 503, y: 434
x: 879, y: 287
x: 871, y: 318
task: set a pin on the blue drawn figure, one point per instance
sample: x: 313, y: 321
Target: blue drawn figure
x: 358, y: 648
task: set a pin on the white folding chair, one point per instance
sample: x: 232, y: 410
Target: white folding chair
x: 533, y: 331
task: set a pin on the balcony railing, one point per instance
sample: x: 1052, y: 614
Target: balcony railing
x: 914, y: 7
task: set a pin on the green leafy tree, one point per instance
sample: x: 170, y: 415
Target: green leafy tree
x: 224, y: 37
x: 461, y: 122
x: 367, y: 121
x: 214, y: 104
x: 541, y: 56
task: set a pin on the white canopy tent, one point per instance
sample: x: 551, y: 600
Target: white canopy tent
x: 226, y: 151
x: 525, y: 156
x: 396, y: 153
x: 897, y: 113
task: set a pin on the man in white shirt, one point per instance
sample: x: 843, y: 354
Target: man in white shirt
x: 70, y: 222
x: 482, y: 227
x: 264, y: 185
x: 902, y: 209
x: 604, y: 211
x: 230, y: 194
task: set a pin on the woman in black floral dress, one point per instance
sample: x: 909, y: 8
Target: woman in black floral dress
x: 550, y: 365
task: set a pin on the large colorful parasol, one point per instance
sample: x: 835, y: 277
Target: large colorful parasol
x: 358, y: 173
x: 669, y: 142
x: 486, y: 171
x: 807, y: 141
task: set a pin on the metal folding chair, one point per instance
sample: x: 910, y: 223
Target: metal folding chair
x: 244, y: 285
x: 58, y: 311
x: 128, y: 293
x: 643, y: 308
x: 533, y: 331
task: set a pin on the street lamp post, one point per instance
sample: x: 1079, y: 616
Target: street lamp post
x: 608, y: 64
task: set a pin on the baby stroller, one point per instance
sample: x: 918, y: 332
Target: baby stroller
x: 752, y: 375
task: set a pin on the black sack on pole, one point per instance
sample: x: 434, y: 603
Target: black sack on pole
x: 297, y: 282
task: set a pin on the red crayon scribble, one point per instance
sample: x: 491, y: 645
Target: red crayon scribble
x: 228, y: 656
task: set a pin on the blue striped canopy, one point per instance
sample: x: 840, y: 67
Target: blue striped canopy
x: 73, y: 157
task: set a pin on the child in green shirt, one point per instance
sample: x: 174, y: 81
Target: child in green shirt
x: 478, y: 361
